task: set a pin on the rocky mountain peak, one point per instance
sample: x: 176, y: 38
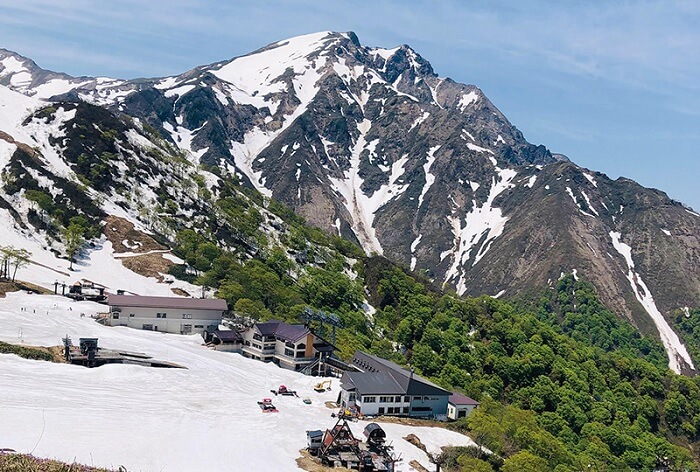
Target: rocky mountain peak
x: 372, y: 145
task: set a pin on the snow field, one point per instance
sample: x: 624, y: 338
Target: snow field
x: 202, y: 418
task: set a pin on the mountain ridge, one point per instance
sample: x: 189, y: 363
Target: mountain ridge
x: 372, y: 145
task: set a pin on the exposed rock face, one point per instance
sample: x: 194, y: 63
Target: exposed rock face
x: 371, y: 144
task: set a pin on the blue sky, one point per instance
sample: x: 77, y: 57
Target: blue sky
x: 611, y: 84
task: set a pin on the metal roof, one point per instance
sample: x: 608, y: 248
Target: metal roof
x: 227, y: 335
x: 282, y: 330
x: 371, y: 383
x: 268, y: 328
x: 167, y: 302
x: 459, y: 399
x: 410, y: 383
x: 291, y: 332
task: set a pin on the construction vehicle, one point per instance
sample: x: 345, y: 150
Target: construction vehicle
x: 321, y: 387
x: 266, y: 406
x: 283, y: 390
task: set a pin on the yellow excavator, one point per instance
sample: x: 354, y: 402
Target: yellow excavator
x: 321, y: 387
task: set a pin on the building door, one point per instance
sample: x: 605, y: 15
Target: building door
x: 186, y: 329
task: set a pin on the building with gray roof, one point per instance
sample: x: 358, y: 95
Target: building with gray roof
x: 382, y: 387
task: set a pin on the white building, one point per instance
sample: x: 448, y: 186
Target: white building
x: 382, y: 387
x: 167, y: 314
x: 460, y: 406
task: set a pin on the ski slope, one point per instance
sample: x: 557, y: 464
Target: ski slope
x: 204, y: 418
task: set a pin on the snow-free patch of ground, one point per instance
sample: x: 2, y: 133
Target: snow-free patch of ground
x: 202, y: 418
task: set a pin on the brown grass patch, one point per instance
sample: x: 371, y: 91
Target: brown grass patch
x: 179, y: 291
x: 119, y: 230
x: 148, y: 265
x: 413, y: 439
x: 417, y: 465
x: 14, y: 462
x: 312, y: 464
x: 7, y: 287
x: 410, y: 421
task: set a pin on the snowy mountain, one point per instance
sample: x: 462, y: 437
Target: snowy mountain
x: 368, y: 143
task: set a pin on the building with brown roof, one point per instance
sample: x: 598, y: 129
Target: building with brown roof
x: 460, y: 406
x: 167, y: 314
x: 291, y: 346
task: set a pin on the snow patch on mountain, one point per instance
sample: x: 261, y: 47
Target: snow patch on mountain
x: 590, y: 179
x: 476, y: 148
x: 429, y: 178
x: 179, y: 91
x: 481, y: 227
x: 588, y: 202
x: 580, y: 208
x: 362, y: 207
x: 384, y: 53
x: 414, y: 245
x: 675, y: 349
x: 420, y: 120
x: 43, y: 133
x: 467, y: 99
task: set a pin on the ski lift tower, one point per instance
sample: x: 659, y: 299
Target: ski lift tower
x: 331, y: 319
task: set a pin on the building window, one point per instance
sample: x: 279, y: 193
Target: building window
x: 161, y: 315
x: 247, y: 343
x: 386, y: 399
x: 257, y: 337
x: 406, y: 399
x: 185, y: 316
x: 397, y: 399
x: 115, y: 316
x: 351, y: 397
x: 381, y: 410
x: 131, y: 315
x: 148, y: 327
x: 199, y: 326
x: 186, y: 328
x: 405, y: 410
x: 289, y: 344
x: 369, y: 399
x: 289, y: 353
x: 301, y: 346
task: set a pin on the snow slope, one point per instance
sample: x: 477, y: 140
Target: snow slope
x: 675, y: 349
x: 96, y: 264
x: 204, y: 418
